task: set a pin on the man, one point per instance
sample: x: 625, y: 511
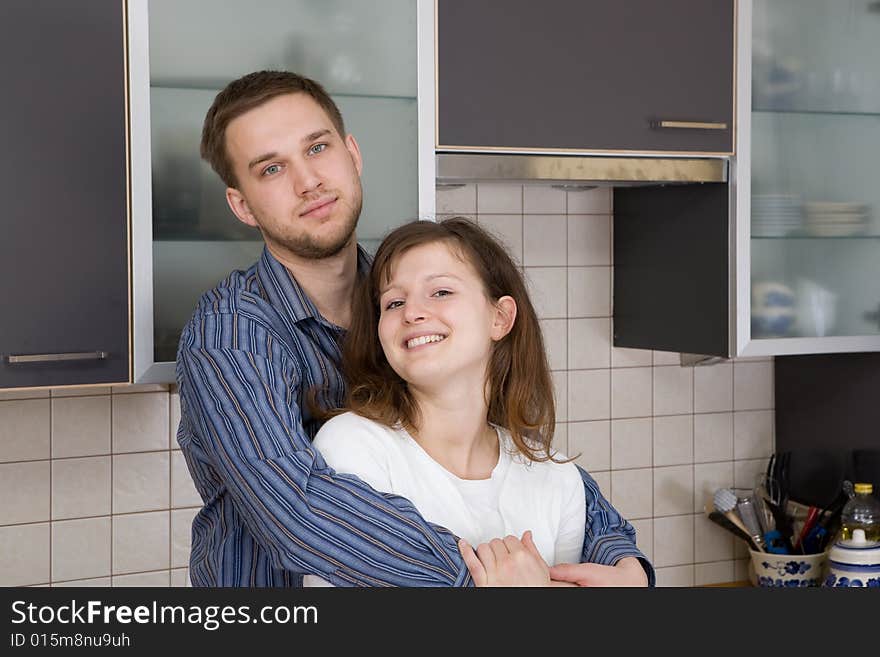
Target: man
x: 263, y: 338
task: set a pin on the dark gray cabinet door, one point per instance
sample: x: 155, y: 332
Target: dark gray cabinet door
x: 672, y: 268
x: 63, y: 171
x: 585, y: 74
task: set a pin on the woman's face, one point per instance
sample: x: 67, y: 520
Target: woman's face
x: 436, y: 324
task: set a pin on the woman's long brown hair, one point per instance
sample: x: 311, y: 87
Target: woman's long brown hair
x: 520, y: 390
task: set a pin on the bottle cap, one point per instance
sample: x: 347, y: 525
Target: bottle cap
x: 863, y: 488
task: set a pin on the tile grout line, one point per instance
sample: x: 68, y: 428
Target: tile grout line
x: 100, y: 517
x: 566, y: 332
x: 610, y: 335
x: 693, y: 470
x: 112, y: 459
x: 170, y: 491
x: 110, y: 577
x: 110, y: 454
x: 51, y: 477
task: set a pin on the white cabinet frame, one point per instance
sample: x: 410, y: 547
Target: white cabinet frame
x: 145, y: 368
x: 740, y: 213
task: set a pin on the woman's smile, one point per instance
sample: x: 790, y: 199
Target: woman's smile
x: 422, y: 340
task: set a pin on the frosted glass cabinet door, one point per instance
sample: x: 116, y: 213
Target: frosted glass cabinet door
x: 815, y: 197
x: 364, y: 52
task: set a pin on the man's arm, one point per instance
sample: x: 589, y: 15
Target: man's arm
x: 308, y: 518
x: 609, y: 537
x: 610, y: 556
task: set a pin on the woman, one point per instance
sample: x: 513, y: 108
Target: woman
x: 451, y: 403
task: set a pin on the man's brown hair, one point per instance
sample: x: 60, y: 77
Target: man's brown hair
x: 519, y: 389
x: 243, y: 95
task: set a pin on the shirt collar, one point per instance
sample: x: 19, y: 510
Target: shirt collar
x: 283, y: 291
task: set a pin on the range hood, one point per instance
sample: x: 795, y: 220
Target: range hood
x: 594, y: 170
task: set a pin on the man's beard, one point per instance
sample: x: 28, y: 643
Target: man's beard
x: 309, y: 248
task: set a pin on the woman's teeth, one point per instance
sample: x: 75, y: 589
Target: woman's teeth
x: 424, y: 339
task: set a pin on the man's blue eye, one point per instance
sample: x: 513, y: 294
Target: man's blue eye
x: 317, y: 148
x: 271, y: 169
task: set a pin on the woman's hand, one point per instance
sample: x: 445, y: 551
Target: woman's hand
x: 508, y: 562
x: 626, y: 572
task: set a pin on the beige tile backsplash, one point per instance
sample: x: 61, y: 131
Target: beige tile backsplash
x: 141, y: 542
x: 24, y: 430
x: 81, y: 426
x: 95, y: 493
x: 81, y: 487
x: 81, y: 548
x: 141, y: 482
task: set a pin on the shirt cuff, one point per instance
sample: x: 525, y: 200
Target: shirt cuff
x: 610, y: 549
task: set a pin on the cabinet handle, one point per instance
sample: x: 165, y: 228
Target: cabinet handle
x: 44, y: 358
x: 690, y: 125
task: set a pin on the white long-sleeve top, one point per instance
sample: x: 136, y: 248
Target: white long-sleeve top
x: 546, y: 498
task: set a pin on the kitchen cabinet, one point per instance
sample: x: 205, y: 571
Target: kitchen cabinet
x: 800, y: 235
x: 63, y: 176
x: 809, y: 203
x: 373, y: 57
x: 634, y: 76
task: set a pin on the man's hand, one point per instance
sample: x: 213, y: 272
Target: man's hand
x: 626, y: 572
x: 508, y: 562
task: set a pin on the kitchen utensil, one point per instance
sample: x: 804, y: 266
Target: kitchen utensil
x: 721, y: 520
x: 778, y: 485
x: 812, y: 517
x: 774, y: 543
x: 829, y: 520
x: 783, y: 525
x: 815, y: 540
x: 765, y: 518
x: 783, y: 476
x: 746, y: 510
x: 771, y: 482
x: 725, y: 502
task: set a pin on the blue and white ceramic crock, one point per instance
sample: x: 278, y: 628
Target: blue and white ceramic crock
x: 787, y: 570
x: 855, y: 562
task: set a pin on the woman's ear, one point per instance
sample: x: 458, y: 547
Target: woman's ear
x: 505, y: 316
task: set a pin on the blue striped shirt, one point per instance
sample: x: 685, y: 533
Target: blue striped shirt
x: 273, y: 510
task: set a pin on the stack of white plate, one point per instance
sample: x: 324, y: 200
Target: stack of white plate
x: 827, y: 219
x: 776, y: 215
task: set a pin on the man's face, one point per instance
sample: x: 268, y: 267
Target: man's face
x: 298, y: 178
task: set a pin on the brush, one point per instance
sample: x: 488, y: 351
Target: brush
x: 725, y: 502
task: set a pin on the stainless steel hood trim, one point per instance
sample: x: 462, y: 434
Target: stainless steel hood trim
x: 472, y: 167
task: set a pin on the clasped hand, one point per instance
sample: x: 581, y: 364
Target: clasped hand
x: 513, y: 561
